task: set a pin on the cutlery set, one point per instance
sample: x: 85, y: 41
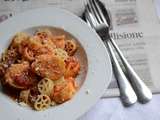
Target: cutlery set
x: 130, y: 84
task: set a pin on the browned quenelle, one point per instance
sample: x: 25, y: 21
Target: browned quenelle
x: 65, y: 91
x: 49, y: 66
x: 19, y: 76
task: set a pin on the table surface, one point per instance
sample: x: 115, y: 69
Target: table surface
x: 112, y: 108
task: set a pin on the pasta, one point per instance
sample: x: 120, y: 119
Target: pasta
x: 41, y: 68
x: 31, y: 48
x: 70, y: 47
x: 72, y: 80
x: 18, y: 38
x: 45, y: 37
x: 42, y: 102
x: 34, y: 92
x: 9, y: 57
x: 43, y: 34
x: 72, y: 67
x: 45, y: 86
x: 62, y: 54
x: 24, y: 95
x: 59, y: 84
x: 59, y: 81
x: 59, y: 41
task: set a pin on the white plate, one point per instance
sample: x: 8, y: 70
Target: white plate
x: 99, y: 67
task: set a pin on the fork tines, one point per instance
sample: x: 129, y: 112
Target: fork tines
x: 95, y: 8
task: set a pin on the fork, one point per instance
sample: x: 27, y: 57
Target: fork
x: 127, y: 94
x: 96, y: 19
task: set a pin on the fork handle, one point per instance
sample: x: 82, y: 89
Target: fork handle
x: 127, y: 93
x: 143, y: 92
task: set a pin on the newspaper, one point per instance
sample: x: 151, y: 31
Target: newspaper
x: 138, y: 46
x: 132, y: 31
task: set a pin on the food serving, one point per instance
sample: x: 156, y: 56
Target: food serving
x: 40, y: 70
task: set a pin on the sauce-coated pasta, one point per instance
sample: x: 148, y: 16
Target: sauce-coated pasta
x: 41, y: 68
